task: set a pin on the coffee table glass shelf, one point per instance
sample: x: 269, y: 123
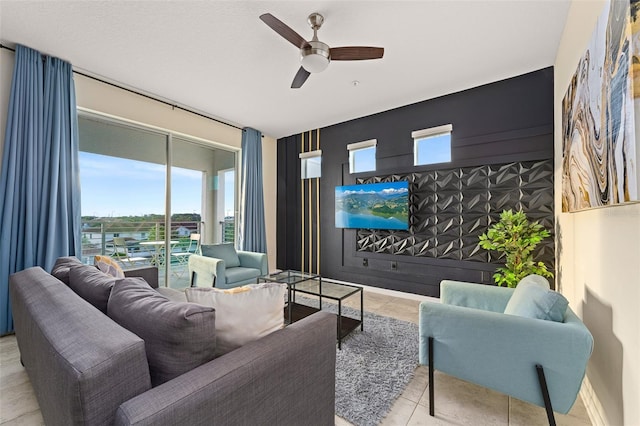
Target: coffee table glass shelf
x: 312, y: 284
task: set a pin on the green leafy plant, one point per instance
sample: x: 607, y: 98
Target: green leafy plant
x: 516, y: 237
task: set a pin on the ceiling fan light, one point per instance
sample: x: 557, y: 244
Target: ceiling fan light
x: 315, y: 56
x: 315, y: 63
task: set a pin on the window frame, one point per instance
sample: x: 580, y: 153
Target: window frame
x: 304, y: 159
x: 428, y: 133
x: 356, y: 147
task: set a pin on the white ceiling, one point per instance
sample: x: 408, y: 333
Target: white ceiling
x: 221, y: 59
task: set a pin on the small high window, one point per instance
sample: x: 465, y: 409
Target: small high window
x: 362, y: 156
x: 311, y: 164
x: 433, y: 145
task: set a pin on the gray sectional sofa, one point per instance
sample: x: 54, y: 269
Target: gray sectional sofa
x: 86, y: 369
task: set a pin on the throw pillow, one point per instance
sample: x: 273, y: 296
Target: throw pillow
x: 109, y: 266
x: 62, y: 267
x: 178, y: 336
x: 243, y: 314
x: 92, y: 285
x: 533, y: 299
x: 534, y: 278
x: 225, y: 252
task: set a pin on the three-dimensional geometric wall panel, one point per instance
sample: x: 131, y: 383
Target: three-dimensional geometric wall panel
x: 449, y: 210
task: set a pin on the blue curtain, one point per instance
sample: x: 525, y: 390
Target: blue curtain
x: 252, y: 229
x: 39, y: 184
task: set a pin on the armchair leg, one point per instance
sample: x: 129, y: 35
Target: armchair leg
x: 431, y: 390
x: 545, y: 395
x: 193, y: 279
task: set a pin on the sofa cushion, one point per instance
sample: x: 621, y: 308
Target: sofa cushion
x: 532, y: 298
x: 225, y: 252
x: 92, y: 285
x: 62, y: 266
x: 178, y: 336
x: 240, y: 273
x: 109, y: 266
x: 243, y: 314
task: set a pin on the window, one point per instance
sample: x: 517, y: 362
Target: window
x: 138, y: 181
x: 362, y: 156
x: 431, y: 146
x: 310, y: 164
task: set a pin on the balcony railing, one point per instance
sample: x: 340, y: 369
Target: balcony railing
x: 97, y: 236
x: 228, y: 230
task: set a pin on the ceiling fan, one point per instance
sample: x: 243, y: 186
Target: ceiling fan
x: 316, y: 55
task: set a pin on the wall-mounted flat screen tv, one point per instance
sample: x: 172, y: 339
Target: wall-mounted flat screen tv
x: 373, y: 206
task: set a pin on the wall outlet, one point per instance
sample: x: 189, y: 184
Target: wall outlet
x: 365, y: 262
x: 394, y: 265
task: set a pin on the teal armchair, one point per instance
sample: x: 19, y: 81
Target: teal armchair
x: 468, y: 335
x: 221, y: 266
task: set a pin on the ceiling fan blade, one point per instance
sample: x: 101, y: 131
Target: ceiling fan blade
x: 284, y: 30
x: 300, y: 78
x: 356, y: 53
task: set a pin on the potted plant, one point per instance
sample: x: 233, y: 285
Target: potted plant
x: 516, y: 237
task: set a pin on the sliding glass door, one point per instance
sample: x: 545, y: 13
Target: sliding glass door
x: 127, y: 191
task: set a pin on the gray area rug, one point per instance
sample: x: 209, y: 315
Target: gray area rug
x: 374, y: 365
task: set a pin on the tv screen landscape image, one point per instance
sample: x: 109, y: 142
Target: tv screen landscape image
x: 373, y: 206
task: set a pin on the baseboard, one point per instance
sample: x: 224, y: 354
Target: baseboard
x: 387, y: 292
x: 592, y: 403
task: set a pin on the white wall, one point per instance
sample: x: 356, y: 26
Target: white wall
x: 598, y: 258
x: 107, y: 99
x: 270, y: 186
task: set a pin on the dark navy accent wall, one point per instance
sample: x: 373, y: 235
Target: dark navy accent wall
x: 502, y: 154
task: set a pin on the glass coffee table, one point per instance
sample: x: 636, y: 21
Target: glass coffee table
x: 312, y: 284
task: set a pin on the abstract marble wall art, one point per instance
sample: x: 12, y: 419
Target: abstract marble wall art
x: 599, y: 109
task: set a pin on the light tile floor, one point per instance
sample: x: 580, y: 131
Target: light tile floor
x: 457, y: 402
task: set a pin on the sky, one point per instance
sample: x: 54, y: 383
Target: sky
x: 113, y: 187
x: 384, y: 188
x: 435, y: 149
